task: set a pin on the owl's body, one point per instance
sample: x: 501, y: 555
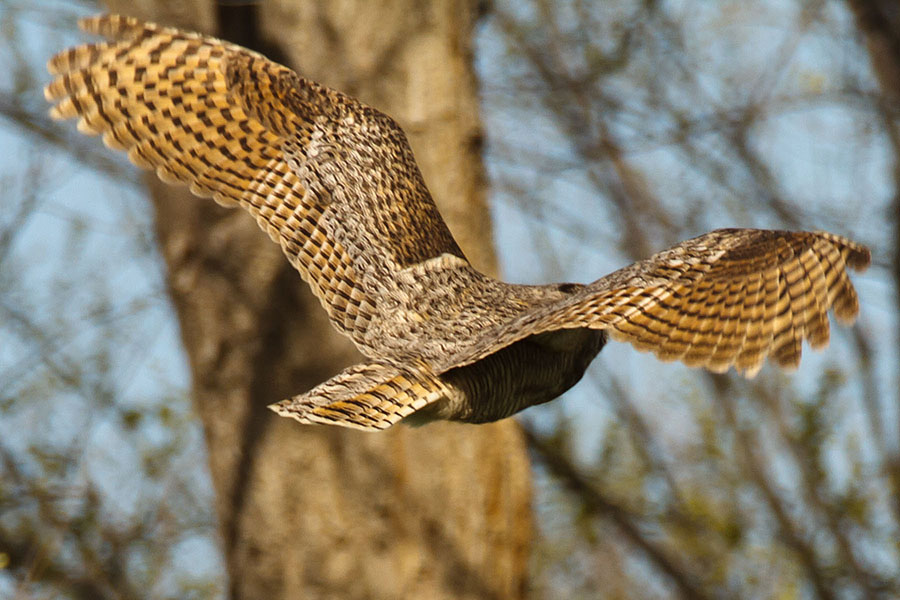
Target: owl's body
x: 335, y: 184
x: 526, y: 373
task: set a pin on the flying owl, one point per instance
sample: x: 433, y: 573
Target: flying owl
x: 335, y: 184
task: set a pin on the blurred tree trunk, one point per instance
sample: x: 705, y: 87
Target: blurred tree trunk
x: 316, y: 512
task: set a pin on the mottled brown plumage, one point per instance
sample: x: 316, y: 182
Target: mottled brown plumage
x: 334, y: 182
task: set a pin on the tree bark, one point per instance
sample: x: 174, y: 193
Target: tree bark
x: 316, y: 512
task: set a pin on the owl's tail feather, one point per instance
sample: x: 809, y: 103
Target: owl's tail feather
x: 370, y: 397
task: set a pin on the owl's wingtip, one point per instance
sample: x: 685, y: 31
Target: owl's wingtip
x: 860, y: 258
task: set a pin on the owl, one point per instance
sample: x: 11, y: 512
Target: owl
x: 335, y: 184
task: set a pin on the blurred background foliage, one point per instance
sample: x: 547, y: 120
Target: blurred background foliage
x: 618, y: 128
x: 613, y: 129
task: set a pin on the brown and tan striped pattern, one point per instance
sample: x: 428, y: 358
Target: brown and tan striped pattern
x: 369, y: 397
x: 729, y: 297
x: 335, y: 183
x: 229, y: 123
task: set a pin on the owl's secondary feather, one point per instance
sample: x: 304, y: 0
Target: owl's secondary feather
x: 334, y: 182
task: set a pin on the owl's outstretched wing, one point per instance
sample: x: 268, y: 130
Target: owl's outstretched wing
x: 730, y: 297
x: 331, y: 180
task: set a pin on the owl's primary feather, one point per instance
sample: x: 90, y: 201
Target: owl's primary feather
x: 334, y: 182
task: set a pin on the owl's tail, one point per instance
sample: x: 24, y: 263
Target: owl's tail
x: 370, y: 397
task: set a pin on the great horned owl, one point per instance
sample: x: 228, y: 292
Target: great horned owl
x: 334, y: 182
